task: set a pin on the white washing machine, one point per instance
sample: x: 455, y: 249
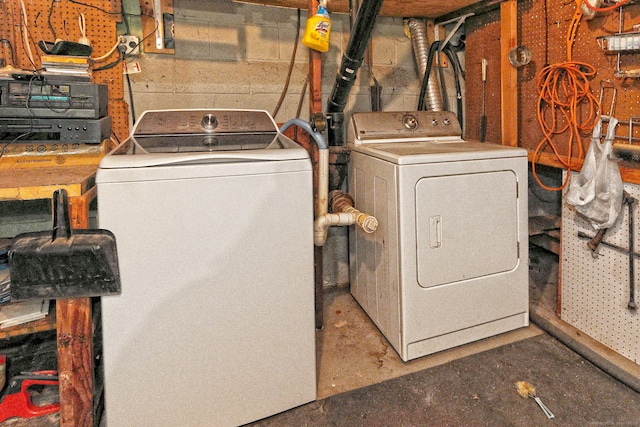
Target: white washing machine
x: 448, y: 264
x: 212, y: 211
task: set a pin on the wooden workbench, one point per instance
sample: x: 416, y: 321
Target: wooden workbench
x: 72, y: 316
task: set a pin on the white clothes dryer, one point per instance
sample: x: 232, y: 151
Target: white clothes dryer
x: 448, y: 264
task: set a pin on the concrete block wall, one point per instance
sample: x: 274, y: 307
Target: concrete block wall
x: 234, y: 55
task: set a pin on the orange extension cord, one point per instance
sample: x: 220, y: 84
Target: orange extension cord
x: 562, y: 89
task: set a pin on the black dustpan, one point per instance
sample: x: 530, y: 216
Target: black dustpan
x: 66, y: 263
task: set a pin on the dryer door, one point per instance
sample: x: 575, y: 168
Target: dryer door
x: 466, y: 225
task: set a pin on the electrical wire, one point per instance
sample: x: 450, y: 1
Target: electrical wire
x: 562, y: 90
x: 291, y: 64
x: 4, y: 147
x: 108, y: 54
x: 25, y: 34
x: 133, y: 110
x: 8, y: 42
x: 425, y: 80
x: 114, y: 136
x: 82, y: 25
x: 111, y: 64
x: 125, y: 20
x: 53, y: 32
x: 458, y: 73
x: 302, y: 94
x: 121, y: 55
x: 443, y: 84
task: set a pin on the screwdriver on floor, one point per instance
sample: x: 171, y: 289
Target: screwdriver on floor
x: 483, y: 117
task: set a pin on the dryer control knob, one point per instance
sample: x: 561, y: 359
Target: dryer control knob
x: 209, y: 121
x: 434, y: 122
x: 446, y: 122
x: 410, y: 122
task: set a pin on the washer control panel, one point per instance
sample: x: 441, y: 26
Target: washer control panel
x: 185, y: 122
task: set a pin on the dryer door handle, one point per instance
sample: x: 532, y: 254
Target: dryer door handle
x: 435, y: 231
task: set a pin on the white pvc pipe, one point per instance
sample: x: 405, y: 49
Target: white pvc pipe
x: 349, y: 214
x: 323, y: 222
x: 323, y: 219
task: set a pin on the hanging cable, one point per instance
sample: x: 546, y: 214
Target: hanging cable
x: 291, y: 64
x: 458, y: 73
x: 25, y: 34
x: 443, y: 84
x: 53, y: 32
x: 82, y: 25
x: 425, y: 80
x: 133, y: 110
x: 108, y: 54
x: 302, y: 94
x: 562, y: 89
x: 8, y: 43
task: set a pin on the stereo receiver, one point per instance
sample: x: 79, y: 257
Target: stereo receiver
x: 46, y: 97
x: 68, y: 130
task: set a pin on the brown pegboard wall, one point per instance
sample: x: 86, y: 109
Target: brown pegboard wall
x: 50, y: 20
x: 119, y: 112
x: 482, y: 37
x: 542, y: 27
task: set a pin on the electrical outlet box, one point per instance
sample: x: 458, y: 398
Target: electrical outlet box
x: 131, y: 44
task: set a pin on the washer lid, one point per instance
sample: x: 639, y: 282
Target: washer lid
x: 437, y: 151
x: 202, y: 136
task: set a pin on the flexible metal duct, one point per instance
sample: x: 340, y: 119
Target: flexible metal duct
x: 420, y: 42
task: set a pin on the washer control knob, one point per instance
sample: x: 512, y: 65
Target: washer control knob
x: 434, y: 122
x: 446, y: 122
x: 410, y: 122
x: 209, y: 121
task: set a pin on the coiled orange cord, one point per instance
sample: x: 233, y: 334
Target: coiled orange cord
x: 562, y: 89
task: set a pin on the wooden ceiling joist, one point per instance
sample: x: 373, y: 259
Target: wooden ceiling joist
x: 397, y: 8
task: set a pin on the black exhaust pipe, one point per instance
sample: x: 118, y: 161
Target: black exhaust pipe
x: 351, y: 62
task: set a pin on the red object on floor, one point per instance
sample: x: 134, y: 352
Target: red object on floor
x: 17, y: 402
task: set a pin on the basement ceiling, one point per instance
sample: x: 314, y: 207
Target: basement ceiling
x: 398, y: 8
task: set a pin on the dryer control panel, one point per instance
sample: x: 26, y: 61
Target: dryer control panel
x: 370, y: 127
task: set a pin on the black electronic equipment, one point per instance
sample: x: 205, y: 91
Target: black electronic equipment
x: 38, y: 96
x: 67, y: 130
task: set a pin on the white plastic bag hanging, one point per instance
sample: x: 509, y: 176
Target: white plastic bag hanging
x: 596, y: 192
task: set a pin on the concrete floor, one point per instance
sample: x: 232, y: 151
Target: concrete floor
x: 352, y: 353
x: 362, y: 381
